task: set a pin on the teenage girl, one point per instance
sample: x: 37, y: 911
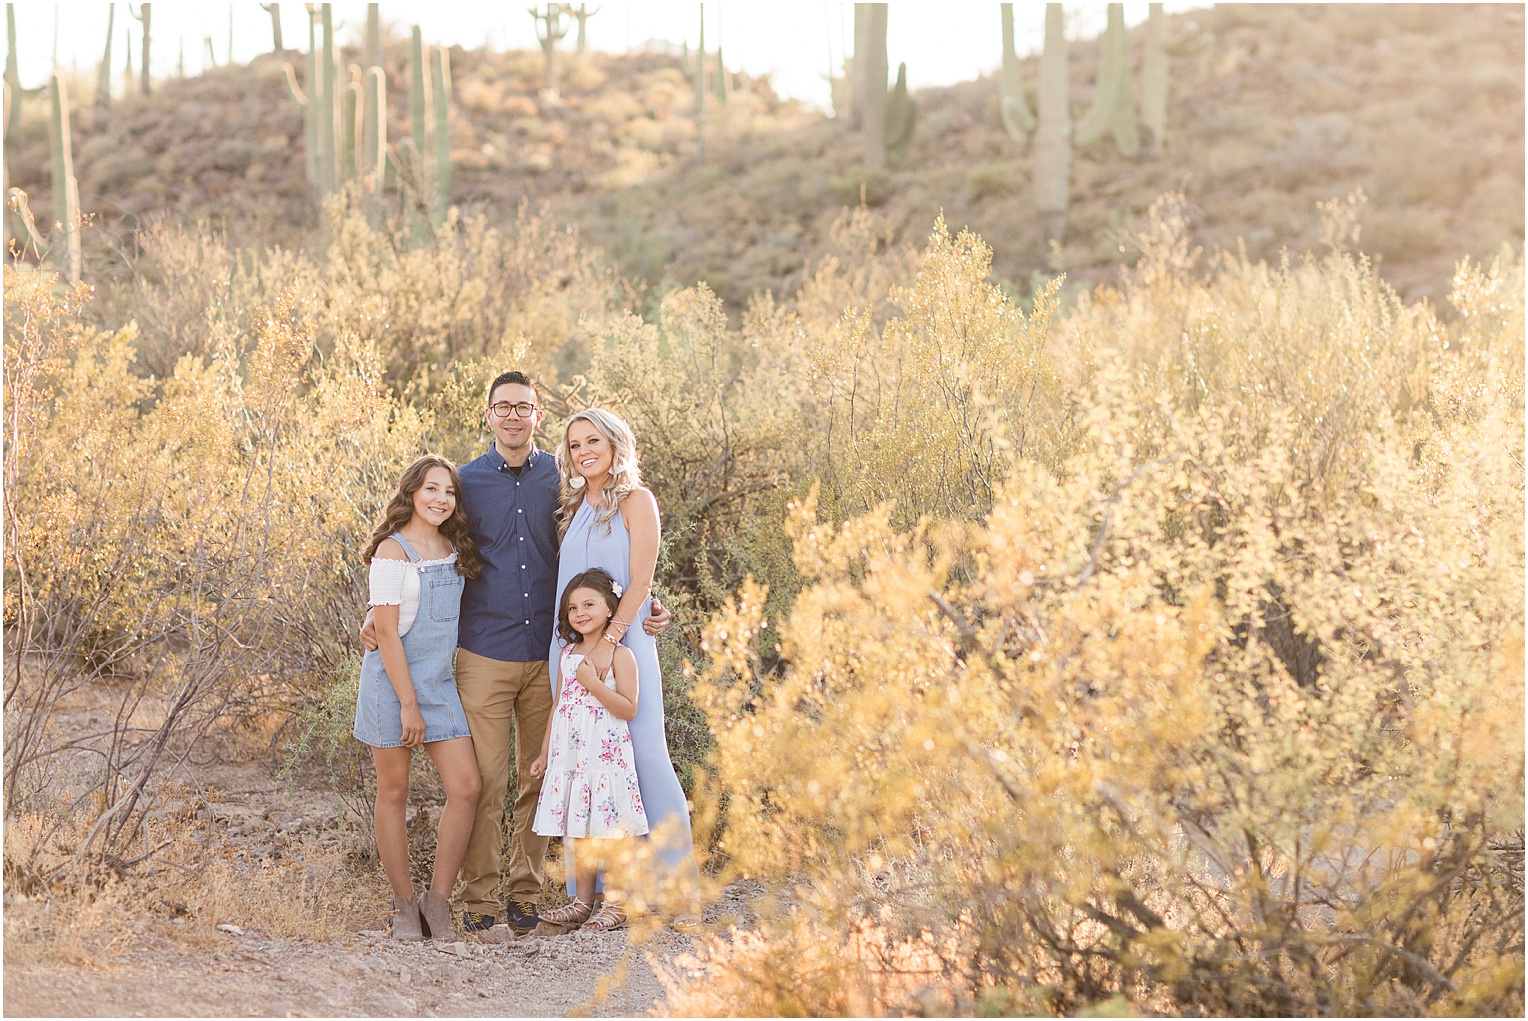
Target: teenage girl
x: 419, y: 555
x: 589, y: 790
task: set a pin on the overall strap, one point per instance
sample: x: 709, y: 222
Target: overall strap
x: 414, y: 558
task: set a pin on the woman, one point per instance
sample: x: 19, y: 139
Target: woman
x: 609, y: 521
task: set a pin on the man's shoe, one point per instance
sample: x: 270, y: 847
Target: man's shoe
x: 521, y: 915
x: 473, y: 921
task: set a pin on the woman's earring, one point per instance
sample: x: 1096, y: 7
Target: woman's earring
x: 577, y: 482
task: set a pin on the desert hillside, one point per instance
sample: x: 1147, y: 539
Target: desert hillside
x: 1273, y: 108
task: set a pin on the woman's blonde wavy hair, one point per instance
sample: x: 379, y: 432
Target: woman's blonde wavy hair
x: 625, y: 476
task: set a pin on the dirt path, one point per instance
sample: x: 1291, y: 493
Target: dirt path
x: 365, y: 975
x: 133, y: 951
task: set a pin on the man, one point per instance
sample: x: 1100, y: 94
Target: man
x: 505, y: 631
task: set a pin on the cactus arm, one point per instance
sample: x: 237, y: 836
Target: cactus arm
x: 721, y: 89
x: 1100, y: 113
x: 350, y: 123
x: 293, y: 89
x: 901, y: 118
x: 1013, y: 107
x: 374, y: 138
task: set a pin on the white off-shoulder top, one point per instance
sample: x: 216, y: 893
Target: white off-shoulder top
x: 396, y: 583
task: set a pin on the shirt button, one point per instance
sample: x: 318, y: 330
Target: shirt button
x: 519, y: 512
x: 527, y: 595
x: 527, y: 622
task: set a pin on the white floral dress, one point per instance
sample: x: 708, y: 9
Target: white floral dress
x: 590, y: 788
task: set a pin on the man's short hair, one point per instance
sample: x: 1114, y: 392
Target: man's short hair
x: 513, y: 376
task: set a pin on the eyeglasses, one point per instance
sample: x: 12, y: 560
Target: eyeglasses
x: 504, y: 409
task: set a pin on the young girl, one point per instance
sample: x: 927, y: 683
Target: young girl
x: 419, y: 554
x: 590, y: 786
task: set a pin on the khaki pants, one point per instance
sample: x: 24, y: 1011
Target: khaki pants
x: 497, y: 694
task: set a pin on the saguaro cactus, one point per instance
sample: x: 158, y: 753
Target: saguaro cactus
x: 887, y: 121
x: 1154, y: 80
x: 12, y: 75
x: 274, y: 10
x: 419, y: 104
x: 856, y: 71
x: 700, y: 69
x: 440, y: 169
x: 66, y: 194
x: 582, y: 15
x: 1114, y: 101
x: 327, y: 97
x: 103, y: 79
x: 1013, y: 107
x: 550, y: 30
x: 372, y: 56
x: 1053, y: 129
x: 873, y: 117
x: 145, y: 13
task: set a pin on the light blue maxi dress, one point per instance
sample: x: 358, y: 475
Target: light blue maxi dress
x: 588, y: 545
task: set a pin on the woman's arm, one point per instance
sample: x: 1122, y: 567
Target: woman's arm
x: 640, y: 512
x: 620, y: 696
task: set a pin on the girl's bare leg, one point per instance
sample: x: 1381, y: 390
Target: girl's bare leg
x: 457, y: 764
x: 388, y: 817
x: 587, y: 872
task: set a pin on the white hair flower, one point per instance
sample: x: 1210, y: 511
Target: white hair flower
x: 615, y: 587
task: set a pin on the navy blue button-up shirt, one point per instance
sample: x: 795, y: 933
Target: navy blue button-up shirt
x: 508, y: 613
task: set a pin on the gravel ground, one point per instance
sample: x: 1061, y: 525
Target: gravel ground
x: 363, y: 975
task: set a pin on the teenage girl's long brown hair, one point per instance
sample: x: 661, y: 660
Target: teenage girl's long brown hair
x: 400, y: 510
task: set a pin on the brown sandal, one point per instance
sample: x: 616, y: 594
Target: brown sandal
x: 606, y: 917
x: 560, y: 920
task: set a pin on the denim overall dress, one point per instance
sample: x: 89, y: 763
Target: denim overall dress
x: 430, y: 648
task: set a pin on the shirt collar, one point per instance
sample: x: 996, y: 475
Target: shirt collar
x: 497, y: 459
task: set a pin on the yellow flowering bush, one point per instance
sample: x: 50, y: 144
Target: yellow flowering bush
x: 1221, y: 713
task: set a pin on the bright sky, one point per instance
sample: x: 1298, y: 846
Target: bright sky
x: 792, y: 40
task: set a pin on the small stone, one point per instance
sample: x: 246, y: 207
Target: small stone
x: 500, y: 933
x: 232, y: 930
x: 404, y: 976
x: 459, y: 949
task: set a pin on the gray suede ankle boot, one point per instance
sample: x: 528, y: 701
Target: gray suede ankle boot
x: 435, y: 912
x: 405, y: 919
